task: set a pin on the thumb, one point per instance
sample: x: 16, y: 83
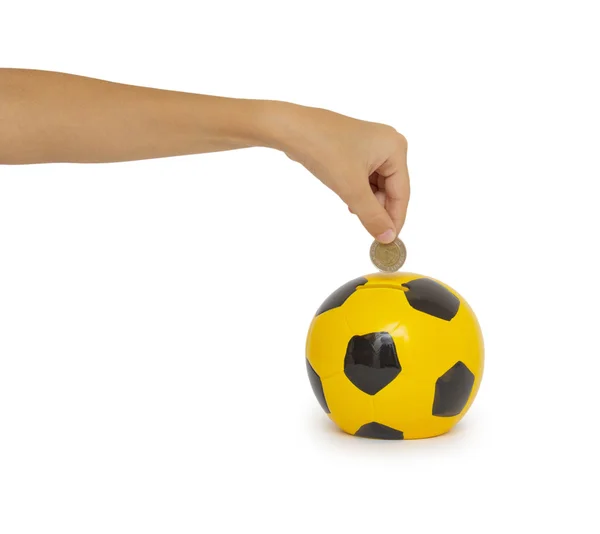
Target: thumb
x: 373, y: 216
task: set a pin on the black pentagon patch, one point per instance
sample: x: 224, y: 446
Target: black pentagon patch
x: 340, y: 295
x: 427, y: 296
x: 378, y: 431
x: 317, y: 386
x: 452, y: 390
x: 371, y: 361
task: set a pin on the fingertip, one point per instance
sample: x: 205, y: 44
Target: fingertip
x: 386, y: 237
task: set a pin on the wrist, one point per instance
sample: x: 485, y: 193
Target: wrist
x: 277, y: 125
x: 253, y: 123
x: 229, y: 123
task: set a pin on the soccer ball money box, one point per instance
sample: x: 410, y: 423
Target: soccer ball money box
x: 395, y: 356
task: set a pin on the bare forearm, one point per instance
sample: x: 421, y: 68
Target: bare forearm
x: 52, y: 117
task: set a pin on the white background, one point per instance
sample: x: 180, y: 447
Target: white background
x: 153, y: 314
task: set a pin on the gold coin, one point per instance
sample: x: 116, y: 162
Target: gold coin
x: 389, y: 257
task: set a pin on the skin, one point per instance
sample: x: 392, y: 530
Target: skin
x: 50, y: 117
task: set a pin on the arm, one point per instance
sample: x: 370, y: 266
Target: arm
x: 50, y: 117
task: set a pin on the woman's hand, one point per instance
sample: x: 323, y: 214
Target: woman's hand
x: 363, y: 162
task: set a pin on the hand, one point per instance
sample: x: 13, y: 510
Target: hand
x: 363, y: 162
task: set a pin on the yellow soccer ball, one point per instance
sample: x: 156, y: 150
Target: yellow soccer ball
x: 395, y: 356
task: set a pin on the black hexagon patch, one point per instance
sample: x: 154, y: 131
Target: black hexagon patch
x: 340, y: 295
x: 378, y: 431
x: 452, y: 390
x: 427, y: 296
x: 371, y: 361
x: 317, y: 386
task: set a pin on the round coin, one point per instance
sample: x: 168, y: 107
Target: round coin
x: 389, y: 257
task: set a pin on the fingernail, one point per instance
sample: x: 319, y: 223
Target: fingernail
x: 387, y: 236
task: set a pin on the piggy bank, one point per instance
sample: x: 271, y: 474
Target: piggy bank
x: 395, y: 356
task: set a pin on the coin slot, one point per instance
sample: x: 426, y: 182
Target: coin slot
x: 382, y: 286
